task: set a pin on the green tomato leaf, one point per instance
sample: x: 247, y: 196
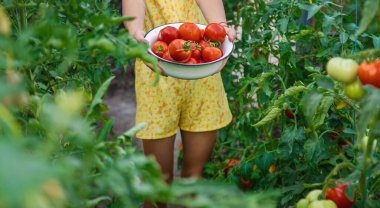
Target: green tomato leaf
x: 376, y: 42
x: 326, y: 103
x: 99, y: 94
x: 283, y: 24
x: 309, y: 103
x: 264, y: 162
x: 311, y: 9
x: 350, y: 192
x: 106, y: 129
x: 246, y: 170
x: 325, y: 82
x: 269, y: 117
x: 370, y: 109
x: 369, y: 13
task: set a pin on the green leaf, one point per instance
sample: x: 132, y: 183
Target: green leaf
x: 283, y: 24
x: 309, y: 103
x: 105, y: 131
x: 132, y: 132
x: 265, y: 161
x: 290, y: 92
x: 290, y: 135
x: 370, y: 109
x: 118, y: 20
x: 319, y: 119
x: 313, y: 10
x: 269, y: 117
x: 99, y: 94
x: 376, y: 42
x: 310, y: 150
x: 246, y: 170
x: 369, y: 13
x: 325, y: 82
x: 350, y: 192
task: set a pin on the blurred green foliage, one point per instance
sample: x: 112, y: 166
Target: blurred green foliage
x: 56, y: 147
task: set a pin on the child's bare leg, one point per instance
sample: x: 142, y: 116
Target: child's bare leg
x: 162, y: 150
x: 197, y: 149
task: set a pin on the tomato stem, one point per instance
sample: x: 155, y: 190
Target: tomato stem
x: 334, y: 172
x: 366, y: 162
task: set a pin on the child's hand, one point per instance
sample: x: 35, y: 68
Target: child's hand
x: 150, y: 66
x: 139, y: 36
x: 231, y: 33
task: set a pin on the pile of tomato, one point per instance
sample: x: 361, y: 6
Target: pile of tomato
x: 353, y: 75
x: 189, y: 44
x: 333, y: 198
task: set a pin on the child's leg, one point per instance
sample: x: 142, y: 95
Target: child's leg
x: 162, y: 150
x: 197, y: 149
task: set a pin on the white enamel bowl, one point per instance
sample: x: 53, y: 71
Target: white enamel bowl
x: 188, y: 71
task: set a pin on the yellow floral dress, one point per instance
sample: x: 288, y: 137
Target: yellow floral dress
x: 191, y: 105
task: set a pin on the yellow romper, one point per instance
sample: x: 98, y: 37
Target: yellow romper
x: 192, y: 105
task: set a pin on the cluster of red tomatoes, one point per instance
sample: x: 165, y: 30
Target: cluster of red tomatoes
x: 189, y: 44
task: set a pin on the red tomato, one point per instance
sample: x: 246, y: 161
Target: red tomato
x: 211, y: 54
x: 189, y: 31
x: 369, y: 73
x: 159, y: 48
x: 168, y: 34
x: 192, y: 61
x: 167, y: 56
x: 245, y: 184
x: 200, y: 61
x: 231, y: 163
x: 204, y: 44
x: 180, y: 50
x: 289, y: 114
x: 195, y: 51
x: 339, y: 197
x: 336, y: 136
x: 215, y: 32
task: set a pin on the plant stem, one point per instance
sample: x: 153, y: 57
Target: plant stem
x: 366, y: 161
x: 335, y: 172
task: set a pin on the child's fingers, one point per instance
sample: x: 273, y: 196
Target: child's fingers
x: 231, y: 33
x: 150, y: 66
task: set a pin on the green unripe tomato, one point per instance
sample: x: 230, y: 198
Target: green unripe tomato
x: 102, y: 43
x: 321, y: 34
x: 342, y: 70
x: 323, y: 204
x: 354, y: 90
x: 364, y: 143
x: 313, y: 195
x: 303, y: 203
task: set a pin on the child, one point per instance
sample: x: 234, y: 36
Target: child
x: 198, y: 107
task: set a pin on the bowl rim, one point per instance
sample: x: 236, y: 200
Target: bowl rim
x: 181, y: 64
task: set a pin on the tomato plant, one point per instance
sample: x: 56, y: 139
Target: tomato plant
x: 282, y: 65
x: 57, y: 148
